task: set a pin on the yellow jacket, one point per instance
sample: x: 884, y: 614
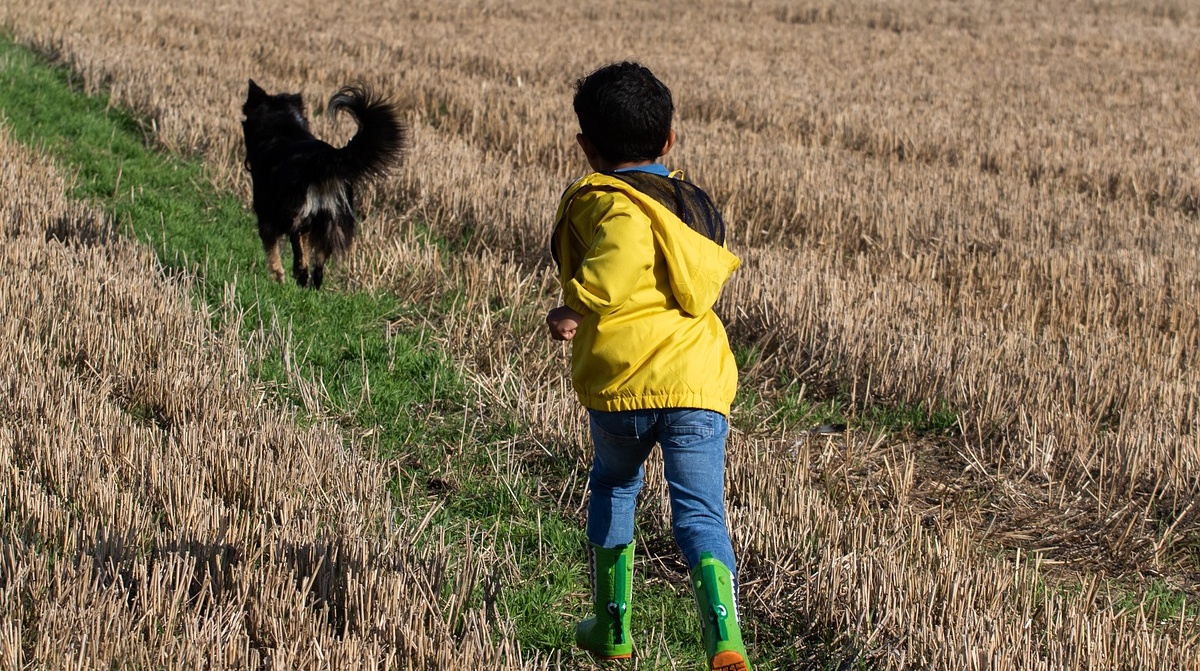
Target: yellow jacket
x: 645, y: 283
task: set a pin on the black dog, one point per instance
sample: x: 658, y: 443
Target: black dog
x: 303, y: 187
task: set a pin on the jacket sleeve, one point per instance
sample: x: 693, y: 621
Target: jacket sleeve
x: 620, y: 250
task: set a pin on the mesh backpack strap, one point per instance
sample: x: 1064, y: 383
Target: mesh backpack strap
x: 685, y: 200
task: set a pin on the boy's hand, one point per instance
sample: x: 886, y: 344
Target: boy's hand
x: 563, y: 321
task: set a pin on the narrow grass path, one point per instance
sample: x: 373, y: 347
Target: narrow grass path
x: 168, y: 203
x: 395, y: 384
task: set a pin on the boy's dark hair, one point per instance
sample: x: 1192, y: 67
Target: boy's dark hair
x: 625, y: 111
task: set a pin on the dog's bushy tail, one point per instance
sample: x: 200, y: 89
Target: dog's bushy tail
x: 381, y: 138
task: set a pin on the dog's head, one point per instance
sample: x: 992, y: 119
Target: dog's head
x: 271, y: 116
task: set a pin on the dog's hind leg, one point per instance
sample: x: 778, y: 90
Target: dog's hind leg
x: 274, y: 265
x: 300, y: 258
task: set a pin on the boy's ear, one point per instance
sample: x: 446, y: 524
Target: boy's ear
x: 671, y: 137
x: 589, y: 149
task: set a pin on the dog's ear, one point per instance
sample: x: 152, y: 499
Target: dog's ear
x: 255, y: 96
x: 296, y: 100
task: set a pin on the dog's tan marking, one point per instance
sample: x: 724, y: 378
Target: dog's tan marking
x: 301, y: 256
x: 316, y: 257
x: 273, y: 262
x: 304, y: 248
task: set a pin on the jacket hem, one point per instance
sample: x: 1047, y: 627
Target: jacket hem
x: 622, y: 404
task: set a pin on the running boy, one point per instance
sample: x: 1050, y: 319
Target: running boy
x: 641, y: 260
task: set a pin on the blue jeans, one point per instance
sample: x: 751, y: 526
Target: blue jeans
x: 693, y: 450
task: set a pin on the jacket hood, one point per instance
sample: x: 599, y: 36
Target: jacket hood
x: 697, y: 267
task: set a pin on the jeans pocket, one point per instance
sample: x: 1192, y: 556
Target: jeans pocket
x: 616, y: 429
x: 695, y: 423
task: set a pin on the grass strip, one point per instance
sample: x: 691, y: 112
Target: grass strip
x: 168, y: 203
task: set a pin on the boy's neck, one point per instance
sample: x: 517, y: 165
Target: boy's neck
x: 597, y: 162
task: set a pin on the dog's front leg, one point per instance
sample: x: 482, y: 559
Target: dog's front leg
x: 318, y: 269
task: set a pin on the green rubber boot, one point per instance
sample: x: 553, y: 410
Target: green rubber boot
x: 713, y: 585
x: 605, y: 635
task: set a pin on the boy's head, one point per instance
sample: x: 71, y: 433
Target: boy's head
x: 624, y: 113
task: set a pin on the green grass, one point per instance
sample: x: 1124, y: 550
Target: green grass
x: 787, y: 405
x: 1162, y: 603
x: 407, y: 392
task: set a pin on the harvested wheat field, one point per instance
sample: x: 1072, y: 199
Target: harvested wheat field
x: 970, y: 232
